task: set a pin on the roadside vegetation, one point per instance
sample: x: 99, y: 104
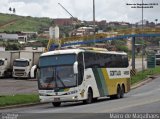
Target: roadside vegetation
x: 18, y: 99
x: 13, y: 23
x: 142, y: 75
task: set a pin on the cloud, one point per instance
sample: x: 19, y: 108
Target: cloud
x: 110, y: 10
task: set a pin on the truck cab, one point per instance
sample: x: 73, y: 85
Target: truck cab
x: 157, y: 56
x: 21, y: 68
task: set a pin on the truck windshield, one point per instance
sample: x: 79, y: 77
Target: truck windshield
x: 57, y: 77
x: 157, y: 56
x: 56, y: 71
x: 1, y: 62
x: 21, y: 63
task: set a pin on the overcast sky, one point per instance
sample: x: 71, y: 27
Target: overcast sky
x: 109, y: 10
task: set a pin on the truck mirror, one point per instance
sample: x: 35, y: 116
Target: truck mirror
x: 75, y: 67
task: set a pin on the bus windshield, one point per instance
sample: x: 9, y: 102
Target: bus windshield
x: 21, y: 63
x: 56, y: 71
x: 57, y: 77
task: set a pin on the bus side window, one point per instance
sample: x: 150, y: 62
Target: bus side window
x: 80, y: 68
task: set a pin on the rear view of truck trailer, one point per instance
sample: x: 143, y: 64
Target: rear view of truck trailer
x: 6, y: 62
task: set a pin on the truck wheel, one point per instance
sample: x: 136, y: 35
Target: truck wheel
x: 56, y: 104
x: 89, y: 98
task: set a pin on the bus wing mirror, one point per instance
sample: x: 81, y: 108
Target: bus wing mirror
x: 75, y: 67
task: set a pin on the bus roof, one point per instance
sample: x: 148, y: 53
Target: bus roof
x: 77, y: 50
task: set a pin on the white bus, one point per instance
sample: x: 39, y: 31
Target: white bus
x: 82, y: 75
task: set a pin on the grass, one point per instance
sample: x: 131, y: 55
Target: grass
x: 23, y: 23
x: 18, y: 99
x: 144, y: 74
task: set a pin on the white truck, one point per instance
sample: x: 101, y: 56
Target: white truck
x: 6, y: 62
x: 157, y: 58
x: 28, y: 60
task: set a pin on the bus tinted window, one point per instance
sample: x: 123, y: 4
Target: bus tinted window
x: 101, y: 60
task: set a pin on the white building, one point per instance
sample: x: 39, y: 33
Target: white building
x: 21, y: 38
x: 84, y: 31
x: 35, y: 49
x: 2, y: 48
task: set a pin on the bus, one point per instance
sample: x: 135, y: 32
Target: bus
x: 82, y: 74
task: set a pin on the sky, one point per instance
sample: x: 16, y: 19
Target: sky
x: 109, y: 10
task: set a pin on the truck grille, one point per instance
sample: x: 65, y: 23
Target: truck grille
x: 19, y: 72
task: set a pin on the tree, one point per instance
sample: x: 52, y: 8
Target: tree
x: 10, y: 9
x: 156, y: 21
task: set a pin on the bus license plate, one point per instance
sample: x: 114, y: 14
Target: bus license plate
x: 56, y: 99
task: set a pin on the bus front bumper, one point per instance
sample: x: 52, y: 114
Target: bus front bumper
x: 66, y: 98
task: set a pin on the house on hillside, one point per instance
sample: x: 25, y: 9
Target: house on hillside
x: 82, y: 31
x: 66, y: 21
x: 21, y: 38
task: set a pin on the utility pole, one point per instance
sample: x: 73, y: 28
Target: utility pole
x: 142, y: 41
x: 94, y: 28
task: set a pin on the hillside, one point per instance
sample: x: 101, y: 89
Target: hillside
x: 14, y: 23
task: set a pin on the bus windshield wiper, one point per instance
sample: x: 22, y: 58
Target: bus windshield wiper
x: 61, y: 81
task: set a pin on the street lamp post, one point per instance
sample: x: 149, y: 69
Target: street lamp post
x: 142, y: 40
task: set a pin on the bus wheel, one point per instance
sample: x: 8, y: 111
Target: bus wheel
x: 122, y: 92
x: 90, y: 97
x: 56, y: 104
x: 118, y: 95
x: 95, y: 99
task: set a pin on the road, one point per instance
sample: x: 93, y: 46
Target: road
x: 12, y: 86
x: 144, y: 99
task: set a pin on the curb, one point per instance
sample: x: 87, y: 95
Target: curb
x: 143, y: 82
x: 134, y: 86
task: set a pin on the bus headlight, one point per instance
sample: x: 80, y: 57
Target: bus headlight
x: 74, y: 97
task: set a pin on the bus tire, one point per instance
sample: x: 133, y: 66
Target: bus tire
x: 89, y: 97
x: 118, y: 95
x: 122, y: 91
x: 56, y: 104
x: 95, y: 99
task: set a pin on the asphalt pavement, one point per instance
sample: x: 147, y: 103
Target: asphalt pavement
x: 12, y: 86
x: 144, y: 99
